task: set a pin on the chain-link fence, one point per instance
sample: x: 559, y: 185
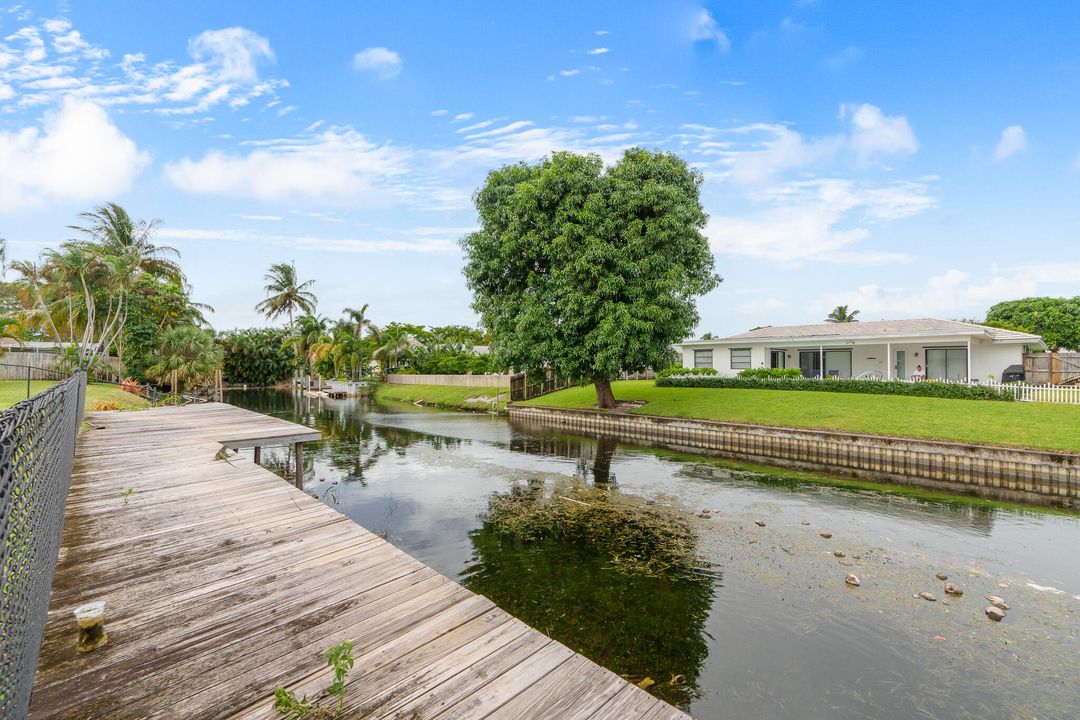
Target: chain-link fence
x: 22, y: 382
x: 37, y: 447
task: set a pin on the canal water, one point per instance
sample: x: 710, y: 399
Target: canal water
x: 771, y: 630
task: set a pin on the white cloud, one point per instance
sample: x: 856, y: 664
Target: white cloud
x: 431, y: 240
x: 50, y: 61
x: 601, y: 33
x: 231, y: 54
x: 464, y: 117
x: 871, y: 134
x: 260, y: 218
x: 1013, y: 140
x: 337, y: 165
x: 569, y: 73
x: 875, y: 133
x: 379, y: 60
x: 475, y: 126
x: 77, y: 154
x: 440, y: 112
x: 705, y: 29
x: 819, y: 220
x: 599, y: 51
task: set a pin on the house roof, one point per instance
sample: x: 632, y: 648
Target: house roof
x: 877, y: 329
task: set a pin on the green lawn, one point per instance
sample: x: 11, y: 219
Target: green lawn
x: 1035, y: 425
x: 13, y: 391
x: 455, y: 398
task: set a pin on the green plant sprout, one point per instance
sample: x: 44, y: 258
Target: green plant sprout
x: 340, y: 658
x: 127, y: 494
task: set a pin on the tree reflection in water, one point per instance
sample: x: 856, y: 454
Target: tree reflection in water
x: 636, y: 623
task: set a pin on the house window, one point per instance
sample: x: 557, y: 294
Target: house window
x: 703, y: 358
x: 946, y: 364
x: 778, y: 358
x: 740, y: 358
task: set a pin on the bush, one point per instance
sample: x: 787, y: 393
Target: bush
x: 766, y: 373
x: 679, y: 370
x: 867, y: 387
x: 256, y: 357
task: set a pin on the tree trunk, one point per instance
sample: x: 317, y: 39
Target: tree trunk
x: 605, y: 398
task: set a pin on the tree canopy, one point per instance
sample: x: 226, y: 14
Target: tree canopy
x: 1056, y: 319
x: 586, y: 270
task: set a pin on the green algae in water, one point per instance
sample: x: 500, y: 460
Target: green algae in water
x: 607, y: 575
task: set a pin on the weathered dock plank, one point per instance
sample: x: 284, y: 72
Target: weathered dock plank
x: 222, y: 581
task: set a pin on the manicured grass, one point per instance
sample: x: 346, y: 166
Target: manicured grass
x: 1033, y: 425
x: 13, y: 391
x: 454, y: 398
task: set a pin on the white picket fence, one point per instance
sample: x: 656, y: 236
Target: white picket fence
x: 1040, y: 393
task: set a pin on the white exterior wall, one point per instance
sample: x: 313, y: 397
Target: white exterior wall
x: 987, y: 358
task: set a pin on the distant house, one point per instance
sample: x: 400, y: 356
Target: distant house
x: 885, y: 349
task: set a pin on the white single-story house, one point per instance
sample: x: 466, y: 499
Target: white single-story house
x: 881, y: 349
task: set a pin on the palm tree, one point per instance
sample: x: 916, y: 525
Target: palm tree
x: 359, y: 321
x: 842, y: 315
x: 119, y: 235
x: 285, y: 295
x: 396, y: 342
x: 187, y: 355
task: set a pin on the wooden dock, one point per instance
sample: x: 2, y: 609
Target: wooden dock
x: 222, y: 581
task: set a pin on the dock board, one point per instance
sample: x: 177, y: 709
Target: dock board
x: 222, y: 581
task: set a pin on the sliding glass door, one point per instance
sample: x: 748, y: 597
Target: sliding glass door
x: 837, y: 363
x: 946, y: 364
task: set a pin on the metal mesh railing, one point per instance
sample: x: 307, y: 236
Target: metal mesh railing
x: 37, y: 447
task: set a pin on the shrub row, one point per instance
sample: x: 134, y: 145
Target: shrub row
x: 867, y: 387
x: 678, y: 370
x: 764, y: 372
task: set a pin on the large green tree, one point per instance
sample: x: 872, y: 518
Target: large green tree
x: 586, y: 270
x: 1056, y: 319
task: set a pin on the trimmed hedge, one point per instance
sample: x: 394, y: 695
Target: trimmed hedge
x: 678, y: 370
x: 928, y: 388
x: 767, y: 373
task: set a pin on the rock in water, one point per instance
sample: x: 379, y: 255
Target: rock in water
x: 951, y: 589
x: 825, y: 534
x: 759, y: 523
x: 852, y: 580
x: 942, y: 577
x: 995, y: 613
x: 997, y: 602
x: 927, y: 596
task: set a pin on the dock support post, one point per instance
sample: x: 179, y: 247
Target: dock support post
x: 299, y: 466
x: 258, y: 454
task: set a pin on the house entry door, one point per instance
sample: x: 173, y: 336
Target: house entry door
x: 901, y: 365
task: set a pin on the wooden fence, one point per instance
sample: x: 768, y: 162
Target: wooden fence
x: 1052, y: 368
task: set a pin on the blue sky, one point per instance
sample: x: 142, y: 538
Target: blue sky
x: 914, y: 159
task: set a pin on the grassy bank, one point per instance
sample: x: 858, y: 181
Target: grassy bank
x: 13, y: 391
x: 451, y: 398
x: 1033, y: 425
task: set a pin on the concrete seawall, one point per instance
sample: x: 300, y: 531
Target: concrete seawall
x: 999, y: 473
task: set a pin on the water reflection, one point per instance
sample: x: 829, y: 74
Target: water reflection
x: 782, y: 638
x: 635, y: 625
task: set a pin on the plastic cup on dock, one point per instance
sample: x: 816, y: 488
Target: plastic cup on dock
x: 91, y: 619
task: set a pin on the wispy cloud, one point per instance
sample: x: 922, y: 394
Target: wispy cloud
x: 47, y: 61
x: 380, y: 61
x: 569, y: 73
x: 1013, y: 140
x: 599, y: 51
x: 431, y: 240
x: 704, y: 28
x: 464, y: 117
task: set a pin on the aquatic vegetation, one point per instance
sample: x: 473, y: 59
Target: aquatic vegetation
x: 638, y: 536
x: 607, y: 574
